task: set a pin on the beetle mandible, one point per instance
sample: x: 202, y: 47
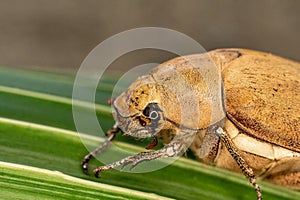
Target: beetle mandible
x: 257, y: 134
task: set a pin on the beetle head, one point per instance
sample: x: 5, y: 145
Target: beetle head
x: 137, y: 110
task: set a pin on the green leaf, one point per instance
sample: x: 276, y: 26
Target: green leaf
x: 24, y: 182
x: 40, y: 134
x: 60, y: 150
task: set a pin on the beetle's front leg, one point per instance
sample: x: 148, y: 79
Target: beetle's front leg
x: 111, y: 133
x: 170, y: 150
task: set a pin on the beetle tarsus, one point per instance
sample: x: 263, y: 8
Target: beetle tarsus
x: 84, y: 167
x: 97, y: 172
x: 257, y: 188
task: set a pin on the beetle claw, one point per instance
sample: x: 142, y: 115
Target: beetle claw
x: 84, y: 167
x: 97, y: 172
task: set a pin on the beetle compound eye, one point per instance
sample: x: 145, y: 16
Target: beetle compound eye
x: 153, y: 115
x: 151, y: 111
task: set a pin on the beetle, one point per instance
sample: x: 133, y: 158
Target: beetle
x: 256, y: 130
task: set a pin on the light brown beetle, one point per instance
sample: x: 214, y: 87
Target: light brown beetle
x: 257, y: 130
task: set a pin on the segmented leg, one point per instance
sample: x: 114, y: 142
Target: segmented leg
x: 170, y: 150
x: 111, y: 133
x: 246, y: 169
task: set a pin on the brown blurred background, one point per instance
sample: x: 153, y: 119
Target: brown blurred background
x: 60, y: 33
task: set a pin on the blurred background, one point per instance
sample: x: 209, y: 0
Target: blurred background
x: 58, y: 34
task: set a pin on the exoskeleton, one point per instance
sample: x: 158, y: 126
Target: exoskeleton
x: 244, y: 118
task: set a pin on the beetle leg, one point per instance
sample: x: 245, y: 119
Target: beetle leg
x: 170, y: 150
x: 210, y: 145
x: 246, y: 169
x: 111, y: 133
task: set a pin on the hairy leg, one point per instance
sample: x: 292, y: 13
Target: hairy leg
x: 111, y: 133
x: 170, y: 150
x: 246, y: 169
